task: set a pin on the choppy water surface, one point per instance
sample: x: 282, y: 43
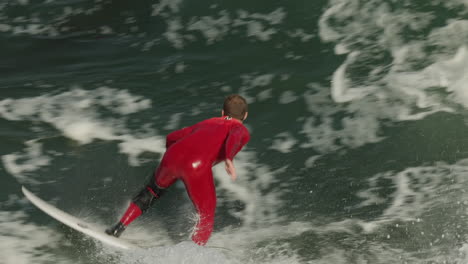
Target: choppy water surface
x: 358, y: 113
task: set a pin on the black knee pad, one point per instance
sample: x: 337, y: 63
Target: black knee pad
x: 146, y: 197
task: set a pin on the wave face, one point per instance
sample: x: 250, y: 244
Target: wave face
x: 357, y: 114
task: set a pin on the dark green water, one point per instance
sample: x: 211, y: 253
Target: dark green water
x: 357, y: 112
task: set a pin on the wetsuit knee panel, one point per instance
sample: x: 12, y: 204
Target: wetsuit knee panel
x: 146, y: 197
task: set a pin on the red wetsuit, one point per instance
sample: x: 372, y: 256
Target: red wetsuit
x: 191, y: 153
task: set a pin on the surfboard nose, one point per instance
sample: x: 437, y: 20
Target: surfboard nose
x: 76, y: 223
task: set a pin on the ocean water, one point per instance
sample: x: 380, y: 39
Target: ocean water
x: 358, y: 116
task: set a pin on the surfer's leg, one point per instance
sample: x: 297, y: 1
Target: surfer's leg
x: 203, y: 195
x: 141, y: 203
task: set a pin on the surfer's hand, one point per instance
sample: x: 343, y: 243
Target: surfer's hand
x: 230, y: 169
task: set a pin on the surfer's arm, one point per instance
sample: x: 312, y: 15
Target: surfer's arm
x: 230, y: 169
x: 237, y: 138
x: 177, y: 135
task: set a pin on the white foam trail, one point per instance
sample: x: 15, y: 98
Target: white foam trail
x: 397, y: 88
x: 355, y: 132
x: 22, y: 242
x: 234, y: 245
x: 450, y: 74
x: 284, y: 142
x: 309, y: 163
x: 172, y: 34
x: 250, y: 81
x: 75, y: 113
x: 213, y: 29
x: 174, y: 121
x: 133, y: 146
x: 288, y: 97
x: 252, y: 181
x: 417, y: 191
x: 401, y: 84
x: 428, y: 205
x: 265, y: 94
x: 301, y: 34
x: 260, y: 26
x: 341, y: 89
x: 246, y: 238
x: 185, y: 252
x: 17, y: 164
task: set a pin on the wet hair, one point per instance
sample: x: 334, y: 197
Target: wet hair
x: 235, y: 106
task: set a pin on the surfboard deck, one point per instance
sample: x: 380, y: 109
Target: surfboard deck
x: 76, y: 223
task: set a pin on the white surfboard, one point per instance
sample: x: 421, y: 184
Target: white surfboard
x: 76, y: 223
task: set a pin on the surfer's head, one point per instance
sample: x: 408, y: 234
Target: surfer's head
x: 236, y: 107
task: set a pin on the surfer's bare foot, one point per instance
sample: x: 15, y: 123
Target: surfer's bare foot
x: 116, y: 230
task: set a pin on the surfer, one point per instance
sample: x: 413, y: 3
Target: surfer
x: 190, y: 154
